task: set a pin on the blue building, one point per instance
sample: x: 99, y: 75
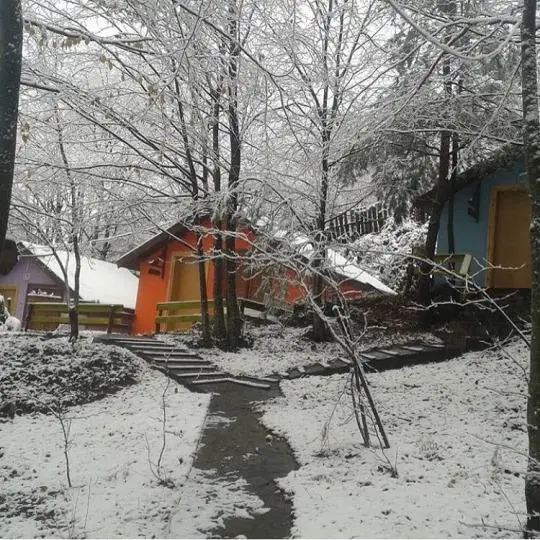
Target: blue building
x: 492, y: 211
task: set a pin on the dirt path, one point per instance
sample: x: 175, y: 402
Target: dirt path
x: 245, y: 449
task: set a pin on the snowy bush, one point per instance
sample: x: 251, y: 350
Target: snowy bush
x: 380, y: 254
x: 38, y: 374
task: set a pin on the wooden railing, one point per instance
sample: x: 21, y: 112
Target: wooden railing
x: 48, y: 315
x: 459, y: 263
x: 356, y: 223
x: 183, y: 313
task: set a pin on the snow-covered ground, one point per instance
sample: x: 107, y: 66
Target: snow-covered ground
x: 113, y: 444
x: 458, y: 440
x: 457, y: 431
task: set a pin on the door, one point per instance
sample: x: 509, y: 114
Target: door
x: 510, y: 245
x: 185, y: 283
x: 185, y: 287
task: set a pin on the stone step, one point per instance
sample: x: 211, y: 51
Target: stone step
x: 394, y: 351
x: 133, y: 340
x: 182, y: 367
x: 180, y: 361
x: 171, y: 357
x: 261, y: 379
x: 172, y: 352
x: 158, y: 347
x: 231, y: 380
x: 189, y: 374
x: 436, y: 345
x: 374, y: 355
x: 414, y: 348
x: 150, y: 347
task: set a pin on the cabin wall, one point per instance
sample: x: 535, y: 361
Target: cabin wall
x: 154, y: 289
x: 26, y: 275
x: 472, y: 236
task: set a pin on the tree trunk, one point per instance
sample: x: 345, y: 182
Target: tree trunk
x: 11, y: 30
x: 424, y: 283
x: 320, y: 331
x: 76, y: 224
x: 531, y: 139
x: 453, y: 176
x: 203, y: 290
x: 220, y: 330
x: 234, y: 320
x: 426, y: 267
x: 74, y: 312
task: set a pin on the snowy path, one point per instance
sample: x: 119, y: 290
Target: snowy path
x: 245, y: 461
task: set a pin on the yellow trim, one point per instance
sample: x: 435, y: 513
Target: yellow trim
x: 492, y: 224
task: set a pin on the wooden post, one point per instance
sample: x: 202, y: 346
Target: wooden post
x: 158, y: 324
x: 111, y: 319
x: 357, y: 223
x: 28, y: 317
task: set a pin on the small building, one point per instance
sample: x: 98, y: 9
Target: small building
x: 168, y: 273
x: 492, y: 212
x: 37, y: 277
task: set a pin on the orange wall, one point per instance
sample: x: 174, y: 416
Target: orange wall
x: 296, y: 292
x: 154, y: 289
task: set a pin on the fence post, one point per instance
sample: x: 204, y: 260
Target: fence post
x: 28, y: 317
x: 158, y: 324
x: 111, y: 319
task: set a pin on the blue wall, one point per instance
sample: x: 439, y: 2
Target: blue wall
x: 470, y: 236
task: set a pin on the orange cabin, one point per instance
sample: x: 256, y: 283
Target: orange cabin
x: 169, y: 276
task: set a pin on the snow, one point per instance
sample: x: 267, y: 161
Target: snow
x: 384, y: 254
x: 112, y: 441
x: 338, y: 263
x: 205, y: 503
x: 458, y: 439
x: 278, y: 348
x: 100, y: 281
x: 457, y: 431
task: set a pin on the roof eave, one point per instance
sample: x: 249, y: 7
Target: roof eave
x: 132, y: 259
x: 505, y: 156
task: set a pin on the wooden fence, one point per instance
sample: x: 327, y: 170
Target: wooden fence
x: 109, y: 317
x: 356, y: 223
x: 181, y: 315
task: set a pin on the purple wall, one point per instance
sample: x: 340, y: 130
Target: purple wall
x: 26, y: 275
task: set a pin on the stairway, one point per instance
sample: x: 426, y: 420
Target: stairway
x: 199, y: 374
x: 181, y: 364
x: 379, y: 359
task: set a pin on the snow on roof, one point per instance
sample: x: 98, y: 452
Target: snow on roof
x: 100, y: 281
x: 339, y: 264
